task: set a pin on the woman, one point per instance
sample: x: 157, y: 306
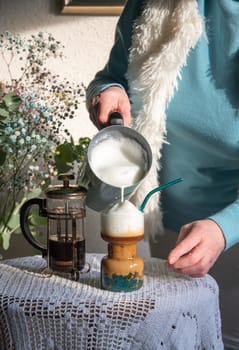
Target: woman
x: 173, y: 73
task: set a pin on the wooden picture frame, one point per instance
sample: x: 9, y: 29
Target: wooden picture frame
x: 93, y: 7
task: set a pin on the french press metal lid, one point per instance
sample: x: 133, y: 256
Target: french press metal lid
x: 67, y: 191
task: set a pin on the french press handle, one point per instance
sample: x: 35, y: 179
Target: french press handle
x: 24, y: 223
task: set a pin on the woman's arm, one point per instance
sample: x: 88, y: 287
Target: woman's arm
x: 113, y: 74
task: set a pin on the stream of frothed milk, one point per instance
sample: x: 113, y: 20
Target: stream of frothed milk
x: 118, y: 162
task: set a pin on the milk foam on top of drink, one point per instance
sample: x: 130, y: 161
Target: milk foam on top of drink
x: 122, y: 220
x: 118, y: 162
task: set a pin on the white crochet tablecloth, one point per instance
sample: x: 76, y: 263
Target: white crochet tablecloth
x: 170, y: 311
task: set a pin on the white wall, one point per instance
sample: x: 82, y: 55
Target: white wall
x: 87, y: 41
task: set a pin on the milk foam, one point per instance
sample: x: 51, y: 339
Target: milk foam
x: 122, y: 220
x: 118, y: 162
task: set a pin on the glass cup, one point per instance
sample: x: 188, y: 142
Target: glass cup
x: 122, y: 270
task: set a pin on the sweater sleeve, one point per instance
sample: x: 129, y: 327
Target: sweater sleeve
x: 113, y: 74
x: 228, y: 220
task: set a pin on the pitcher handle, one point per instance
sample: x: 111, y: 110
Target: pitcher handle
x: 116, y: 119
x: 24, y: 211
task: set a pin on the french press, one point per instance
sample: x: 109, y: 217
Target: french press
x: 64, y: 207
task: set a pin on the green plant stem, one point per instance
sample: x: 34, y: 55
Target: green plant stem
x: 8, y: 64
x: 13, y: 197
x: 6, y: 230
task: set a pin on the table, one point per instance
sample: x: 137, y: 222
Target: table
x: 171, y: 311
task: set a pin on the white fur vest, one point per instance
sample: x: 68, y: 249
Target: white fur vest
x: 162, y: 38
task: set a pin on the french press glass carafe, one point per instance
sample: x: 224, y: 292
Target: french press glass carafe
x: 64, y: 207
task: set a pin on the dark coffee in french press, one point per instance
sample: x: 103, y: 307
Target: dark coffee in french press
x: 66, y: 244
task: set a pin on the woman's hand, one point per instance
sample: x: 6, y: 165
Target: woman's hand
x: 110, y: 100
x: 199, y: 245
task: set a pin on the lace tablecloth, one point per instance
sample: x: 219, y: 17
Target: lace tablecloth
x: 49, y: 312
